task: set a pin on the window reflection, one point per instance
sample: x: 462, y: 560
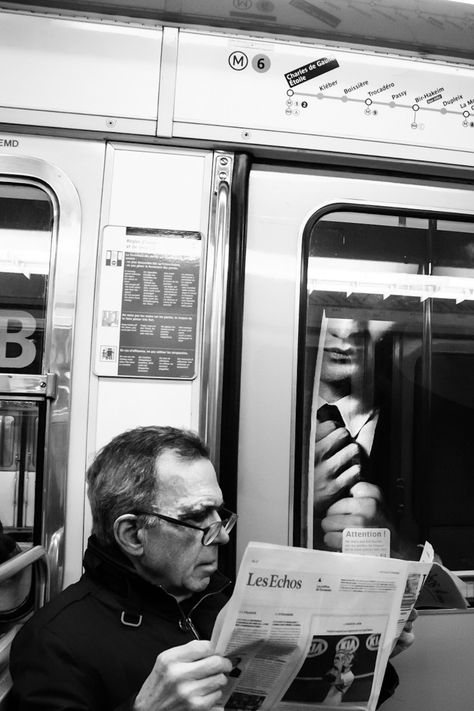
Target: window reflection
x: 389, y: 340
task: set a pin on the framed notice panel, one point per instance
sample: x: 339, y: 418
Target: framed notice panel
x: 148, y: 303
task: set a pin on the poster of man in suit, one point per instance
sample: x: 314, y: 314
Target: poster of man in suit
x: 390, y: 412
x: 346, y: 425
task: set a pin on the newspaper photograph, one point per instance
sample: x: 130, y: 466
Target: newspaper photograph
x: 309, y: 629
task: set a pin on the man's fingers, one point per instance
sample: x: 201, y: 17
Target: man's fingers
x: 365, y: 490
x: 324, y: 429
x: 407, y: 636
x: 203, y: 668
x: 194, y: 660
x: 363, y: 509
x: 333, y: 540
x: 405, y: 641
x: 203, y: 687
x: 210, y: 701
x: 334, y: 441
x: 347, y: 478
x: 363, y: 496
x: 189, y: 652
x: 345, y: 457
x: 335, y: 522
x: 330, y: 485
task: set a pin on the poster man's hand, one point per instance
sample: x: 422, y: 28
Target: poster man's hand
x: 364, y: 508
x: 337, y: 465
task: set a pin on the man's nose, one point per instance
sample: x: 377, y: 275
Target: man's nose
x: 223, y: 537
x: 350, y: 337
x: 344, y: 331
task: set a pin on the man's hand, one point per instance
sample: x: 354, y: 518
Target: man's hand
x: 336, y: 465
x: 185, y: 678
x: 364, y: 508
x: 407, y: 636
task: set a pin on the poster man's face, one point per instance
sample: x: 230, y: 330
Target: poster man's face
x: 344, y: 350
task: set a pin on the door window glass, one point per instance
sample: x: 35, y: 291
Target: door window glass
x: 21, y: 431
x: 26, y: 218
x: 387, y: 337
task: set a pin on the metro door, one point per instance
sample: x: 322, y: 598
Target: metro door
x: 40, y: 244
x: 358, y: 290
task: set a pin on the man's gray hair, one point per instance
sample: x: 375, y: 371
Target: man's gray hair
x: 122, y: 478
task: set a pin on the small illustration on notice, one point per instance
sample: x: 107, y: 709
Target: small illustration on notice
x: 113, y: 258
x: 108, y: 354
x: 110, y: 318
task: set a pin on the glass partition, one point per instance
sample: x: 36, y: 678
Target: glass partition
x: 387, y: 338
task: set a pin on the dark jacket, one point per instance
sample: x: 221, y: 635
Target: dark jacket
x: 92, y: 647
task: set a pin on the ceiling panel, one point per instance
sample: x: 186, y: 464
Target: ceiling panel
x: 435, y: 27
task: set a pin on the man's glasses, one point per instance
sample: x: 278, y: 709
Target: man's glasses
x: 209, y: 533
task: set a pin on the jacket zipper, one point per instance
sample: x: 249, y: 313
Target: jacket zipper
x: 186, y: 625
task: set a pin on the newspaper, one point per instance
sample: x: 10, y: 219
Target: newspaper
x: 312, y: 629
x: 442, y: 588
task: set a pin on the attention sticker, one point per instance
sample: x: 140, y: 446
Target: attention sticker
x: 311, y: 70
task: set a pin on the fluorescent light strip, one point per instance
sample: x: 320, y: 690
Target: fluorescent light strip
x: 389, y: 284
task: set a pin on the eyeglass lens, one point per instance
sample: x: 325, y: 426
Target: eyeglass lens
x: 216, y: 527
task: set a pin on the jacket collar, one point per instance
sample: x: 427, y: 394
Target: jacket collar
x: 108, y: 566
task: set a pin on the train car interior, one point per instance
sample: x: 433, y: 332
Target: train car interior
x: 194, y: 196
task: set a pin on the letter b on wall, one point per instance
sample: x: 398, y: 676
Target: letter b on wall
x: 17, y: 351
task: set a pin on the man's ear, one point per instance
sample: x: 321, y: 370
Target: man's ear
x: 129, y: 535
